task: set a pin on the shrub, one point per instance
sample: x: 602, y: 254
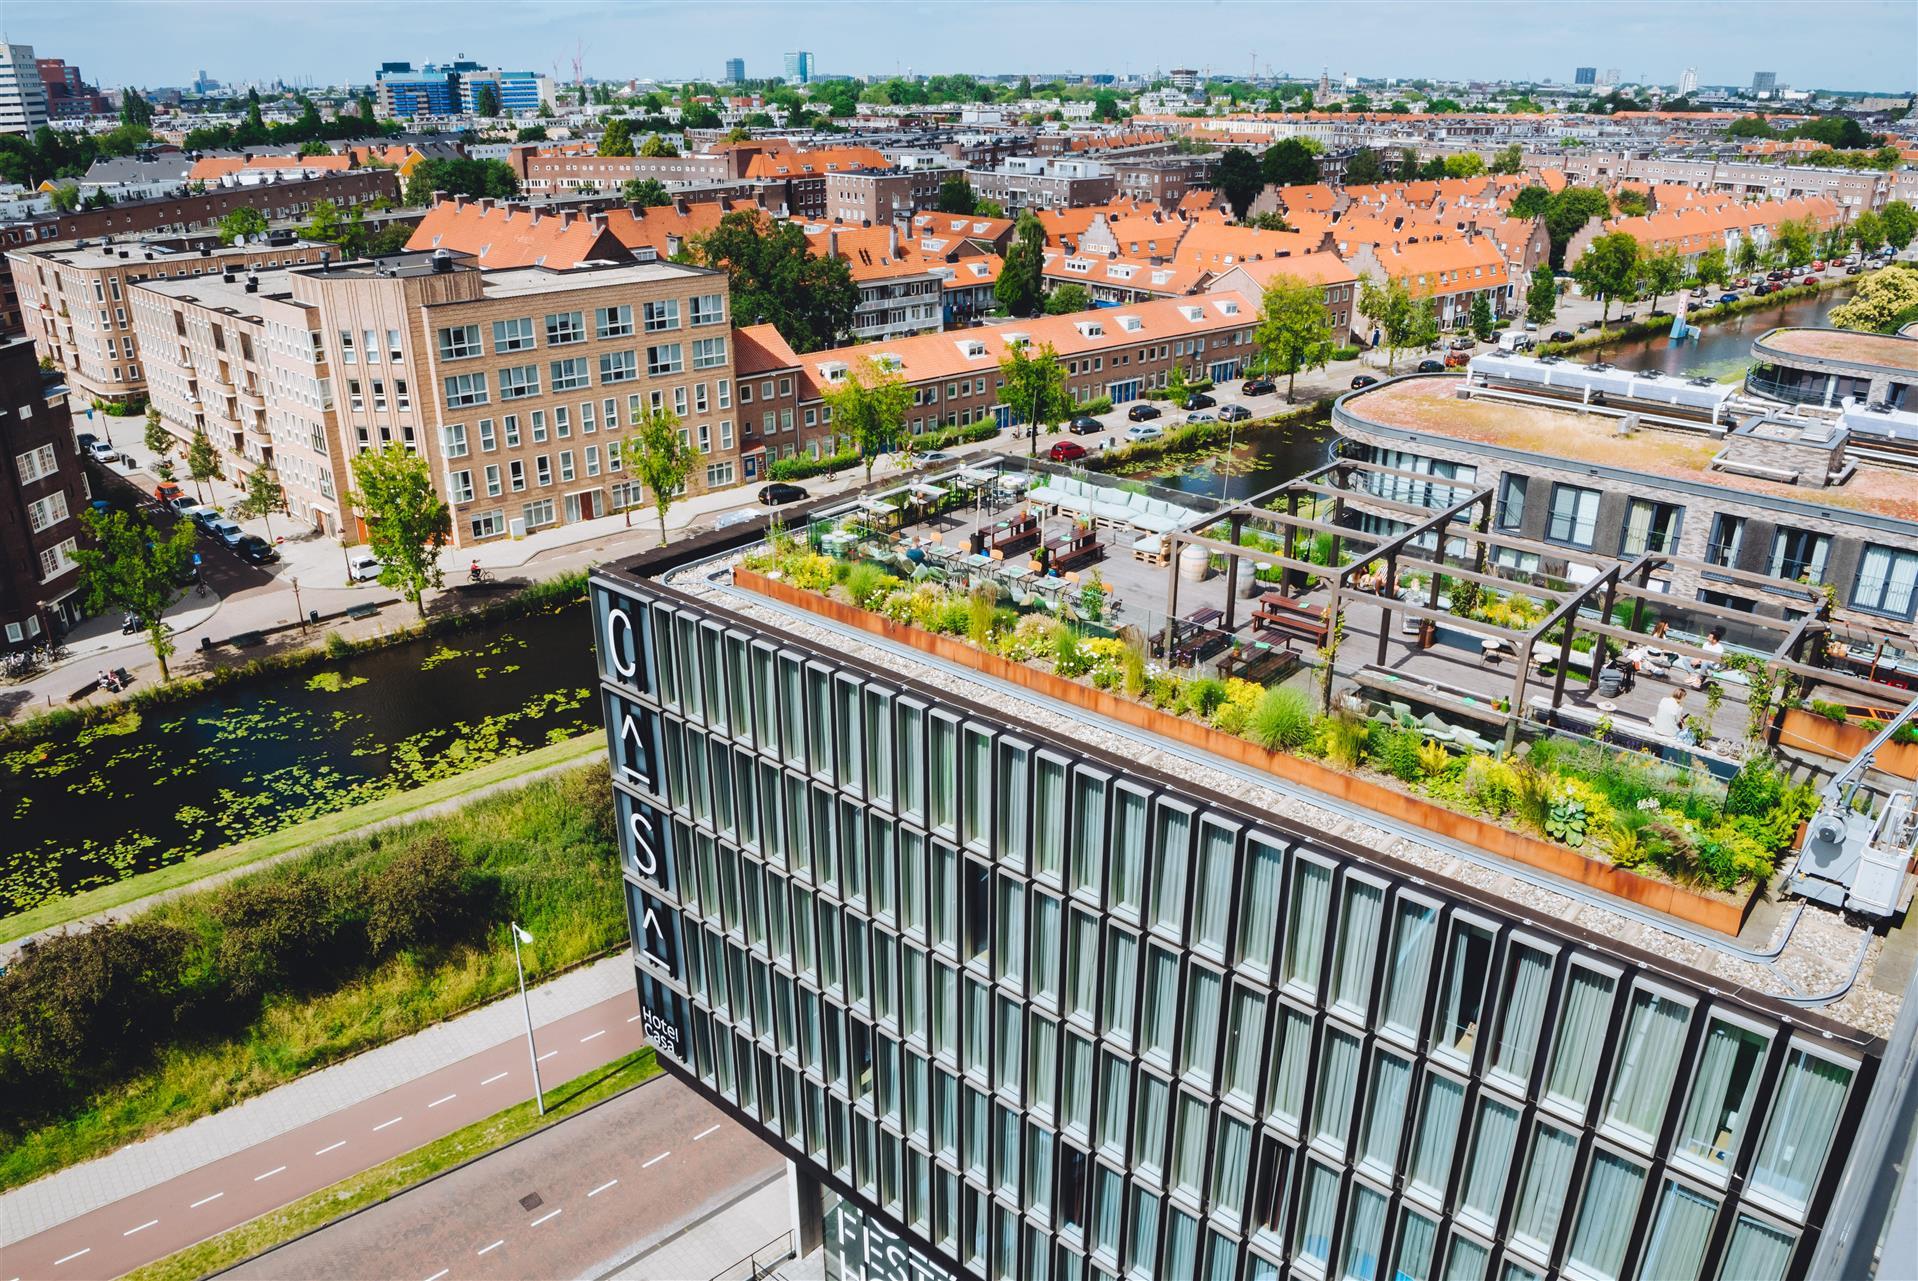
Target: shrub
x: 1490, y: 783
x: 1754, y: 789
x: 1164, y: 691
x: 1097, y: 405
x: 953, y: 616
x: 1344, y: 740
x: 979, y: 612
x: 1834, y: 712
x: 1204, y: 696
x: 1068, y: 659
x: 278, y: 929
x: 1398, y: 755
x: 867, y: 582
x: 337, y: 646
x: 1282, y: 721
x: 1345, y: 353
x: 1531, y: 796
x: 426, y: 890
x: 1434, y: 760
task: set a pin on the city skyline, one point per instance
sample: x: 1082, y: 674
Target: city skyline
x: 121, y: 42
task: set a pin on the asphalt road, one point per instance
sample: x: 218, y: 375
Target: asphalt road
x: 180, y: 1212
x: 598, y: 1187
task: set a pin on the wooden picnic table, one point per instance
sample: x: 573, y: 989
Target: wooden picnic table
x: 1072, y: 549
x: 1287, y: 616
x: 1013, y: 533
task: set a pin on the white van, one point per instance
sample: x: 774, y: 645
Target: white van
x: 1515, y: 340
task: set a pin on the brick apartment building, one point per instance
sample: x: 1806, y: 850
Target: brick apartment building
x: 43, y: 490
x: 1030, y: 182
x: 76, y: 305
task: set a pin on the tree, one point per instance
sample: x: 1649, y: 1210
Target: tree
x: 1033, y: 385
x: 869, y: 409
x: 202, y: 463
x: 656, y: 145
x: 1541, y: 299
x: 132, y: 569
x: 264, y: 496
x: 1288, y: 163
x: 1020, y: 288
x: 407, y: 522
x: 658, y: 456
x: 159, y: 441
x: 1608, y: 268
x: 617, y: 140
x: 461, y: 177
x: 366, y: 108
x: 244, y: 221
x: 1793, y: 238
x: 776, y: 280
x: 1508, y: 160
x: 64, y: 198
x: 486, y: 101
x: 1568, y: 212
x: 1270, y: 220
x: 1748, y: 254
x: 1068, y: 297
x: 1886, y: 301
x: 956, y: 196
x: 1868, y: 231
x: 1531, y: 202
x: 1661, y: 273
x: 530, y: 133
x: 135, y: 110
x: 1294, y: 332
x: 1901, y: 224
x: 1390, y: 308
x: 1484, y: 323
x: 1631, y: 204
x: 989, y: 209
x: 1712, y: 268
x: 1239, y: 179
x: 326, y: 223
x: 314, y: 147
x: 1466, y: 164
x: 1363, y: 168
x: 647, y: 193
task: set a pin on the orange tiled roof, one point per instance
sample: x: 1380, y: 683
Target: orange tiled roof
x: 824, y: 160
x: 1434, y: 267
x: 660, y: 226
x: 502, y: 236
x: 1164, y: 279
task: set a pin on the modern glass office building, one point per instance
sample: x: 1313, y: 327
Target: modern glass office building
x: 1018, y: 1008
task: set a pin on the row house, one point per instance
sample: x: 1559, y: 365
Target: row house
x: 1114, y: 279
x: 1852, y: 191
x: 1337, y: 282
x: 78, y: 309
x: 1453, y: 272
x: 43, y: 490
x: 1690, y: 230
x: 900, y: 291
x: 876, y: 197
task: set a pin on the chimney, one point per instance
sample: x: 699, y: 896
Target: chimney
x: 485, y: 203
x: 566, y: 218
x: 439, y: 196
x: 832, y: 243
x: 892, y: 241
x: 599, y: 221
x: 681, y: 207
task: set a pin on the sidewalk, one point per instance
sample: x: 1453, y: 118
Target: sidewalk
x: 83, y: 1188
x: 724, y: 1243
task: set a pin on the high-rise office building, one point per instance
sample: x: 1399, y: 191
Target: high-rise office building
x: 450, y: 89
x: 735, y: 71
x: 799, y: 67
x: 1688, y: 83
x: 1764, y: 82
x: 1021, y: 991
x: 23, y: 97
x: 1585, y: 76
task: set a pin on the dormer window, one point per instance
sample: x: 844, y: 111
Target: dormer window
x: 972, y: 349
x: 1193, y: 314
x: 1228, y: 307
x: 834, y: 371
x: 888, y: 362
x: 1090, y: 329
x: 1131, y: 324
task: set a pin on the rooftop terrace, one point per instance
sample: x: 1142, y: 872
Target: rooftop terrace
x: 1882, y: 351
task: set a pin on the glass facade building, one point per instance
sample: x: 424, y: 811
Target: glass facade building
x: 1023, y: 1010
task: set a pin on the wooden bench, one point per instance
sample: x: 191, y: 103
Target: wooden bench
x: 1075, y: 549
x: 1286, y: 616
x: 1262, y: 664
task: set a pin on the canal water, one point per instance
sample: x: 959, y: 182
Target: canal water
x: 154, y: 787
x: 1725, y: 346
x: 1256, y: 462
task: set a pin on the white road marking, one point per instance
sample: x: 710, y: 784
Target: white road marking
x: 636, y: 1018
x: 549, y: 1054
x: 590, y: 1035
x: 542, y: 1218
x: 329, y: 1147
x: 497, y: 1076
x: 269, y: 1174
x: 448, y: 1099
x: 703, y: 1133
x: 496, y: 1245
x: 656, y: 1160
x: 602, y: 1187
x: 383, y: 1124
x: 142, y: 1228
x: 437, y: 1275
x: 71, y: 1257
x: 203, y: 1200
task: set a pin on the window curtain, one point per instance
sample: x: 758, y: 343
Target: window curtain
x: 1638, y: 526
x: 1148, y: 1144
x: 1529, y: 987
x: 1078, y: 1084
x: 1491, y: 1159
x: 1305, y: 933
x: 1231, y: 1164
x: 1713, y: 1117
x: 1259, y: 913
x: 1608, y: 1214
x: 1547, y: 1176
x: 1364, y: 1230
x: 1411, y: 966
x: 1338, y: 1076
x: 1385, y: 1114
x: 1680, y: 1234
x: 1144, y: 1233
x: 1221, y: 1257
x: 1581, y: 1037
x: 1758, y: 1252
x: 1107, y: 1188
x: 1181, y: 1245
x: 1438, y: 1132
x: 1288, y: 1073
x: 1466, y: 1260
x: 1417, y: 1237
x: 1188, y: 1161
x: 1358, y: 945
x: 1317, y: 1214
x: 1804, y: 1117
x: 1648, y: 1065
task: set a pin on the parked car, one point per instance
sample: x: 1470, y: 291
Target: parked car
x: 255, y: 550
x: 1762, y: 288
x: 1531, y: 326
x: 1066, y: 451
x: 1084, y: 426
x: 1200, y: 416
x: 1561, y: 335
x: 1234, y: 414
x: 1431, y: 367
x: 1464, y: 342
x: 1363, y: 380
x: 1144, y: 411
x: 169, y: 494
x: 1854, y: 270
x: 1774, y: 275
x: 934, y: 456
x: 780, y: 492
x: 1724, y: 298
x: 1198, y: 400
x: 101, y: 452
x: 363, y: 568
x: 1144, y: 431
x: 1258, y: 387
x: 227, y: 532
x: 205, y: 517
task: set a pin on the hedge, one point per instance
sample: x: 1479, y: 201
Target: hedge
x: 1697, y: 315
x: 944, y: 438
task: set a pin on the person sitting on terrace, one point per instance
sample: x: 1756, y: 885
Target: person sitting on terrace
x: 1647, y: 657
x: 1669, y: 720
x: 1373, y: 579
x: 1697, y: 670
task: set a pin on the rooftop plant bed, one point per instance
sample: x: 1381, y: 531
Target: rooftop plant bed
x: 1624, y: 815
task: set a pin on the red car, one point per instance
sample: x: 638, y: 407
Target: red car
x: 1066, y: 451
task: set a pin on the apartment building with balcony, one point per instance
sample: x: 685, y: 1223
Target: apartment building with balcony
x: 518, y: 385
x: 77, y: 306
x: 43, y: 490
x: 1866, y: 373
x: 1036, y: 182
x: 235, y: 357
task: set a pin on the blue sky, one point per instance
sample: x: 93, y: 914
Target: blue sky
x: 1840, y: 44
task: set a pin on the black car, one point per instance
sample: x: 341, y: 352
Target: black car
x: 1084, y: 426
x: 1258, y: 387
x: 1141, y: 413
x: 1561, y: 335
x: 780, y: 492
x: 1363, y: 380
x: 255, y: 550
x: 1431, y: 366
x: 1199, y: 400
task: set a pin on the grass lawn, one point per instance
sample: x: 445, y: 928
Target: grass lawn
x: 391, y: 1178
x: 304, y: 835
x: 546, y: 848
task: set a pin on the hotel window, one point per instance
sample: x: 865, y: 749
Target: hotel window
x: 1651, y: 527
x: 464, y: 389
x: 1148, y: 1125
x: 666, y: 358
x: 613, y: 322
x: 1491, y: 1160
x: 1414, y: 930
x: 1527, y: 989
x: 1468, y: 961
x: 457, y: 342
x: 1886, y: 577
x: 1357, y: 946
x: 1574, y: 516
x: 1647, y: 1071
x: 618, y: 367
x: 517, y: 382
x: 565, y: 327
x: 1681, y: 1232
x: 1801, y: 1123
x: 1318, y: 1213
x: 1187, y: 1174
x: 1607, y: 1217
x: 1541, y: 1194
x: 1259, y: 894
x: 1287, y: 1068
x: 1580, y: 1027
x: 1338, y: 1073
x: 1200, y: 1042
x: 1244, y: 1047
x: 661, y: 315
x: 1718, y: 1113
x: 1307, y: 915
x: 1441, y: 1104
x: 1159, y: 1005
x: 571, y: 374
x: 1171, y: 860
x: 1799, y: 554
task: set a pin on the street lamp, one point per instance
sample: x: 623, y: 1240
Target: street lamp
x: 299, y: 613
x: 521, y: 936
